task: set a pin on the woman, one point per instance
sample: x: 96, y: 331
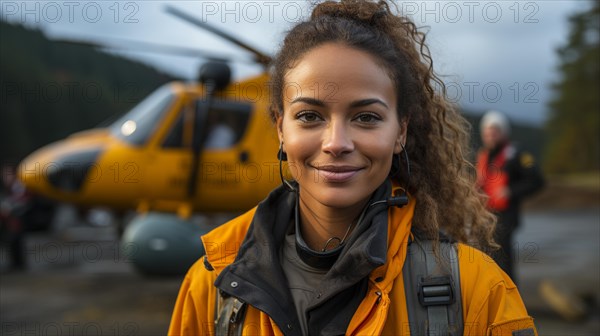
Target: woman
x: 352, y: 101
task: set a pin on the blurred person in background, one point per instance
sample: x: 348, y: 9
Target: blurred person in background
x: 221, y: 134
x: 21, y: 211
x: 506, y: 175
x: 13, y: 203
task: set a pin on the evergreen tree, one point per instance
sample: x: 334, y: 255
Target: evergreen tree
x: 574, y: 124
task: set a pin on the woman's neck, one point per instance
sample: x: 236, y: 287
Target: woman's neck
x: 319, y: 223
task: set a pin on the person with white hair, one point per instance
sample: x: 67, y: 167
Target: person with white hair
x: 506, y: 175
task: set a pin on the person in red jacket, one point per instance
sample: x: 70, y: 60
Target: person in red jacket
x: 506, y: 175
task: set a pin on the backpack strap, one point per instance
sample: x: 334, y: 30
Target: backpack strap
x: 229, y: 315
x: 433, y: 296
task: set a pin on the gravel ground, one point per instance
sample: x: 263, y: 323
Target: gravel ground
x: 76, y: 285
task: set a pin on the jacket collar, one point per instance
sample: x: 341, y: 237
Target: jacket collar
x: 255, y: 276
x: 238, y: 251
x: 399, y: 231
x: 222, y: 244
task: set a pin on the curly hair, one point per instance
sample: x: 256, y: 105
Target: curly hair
x: 442, y: 179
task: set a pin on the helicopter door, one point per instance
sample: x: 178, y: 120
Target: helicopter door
x: 169, y: 163
x: 220, y: 175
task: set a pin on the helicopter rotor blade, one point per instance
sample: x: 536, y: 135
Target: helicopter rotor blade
x: 125, y: 44
x: 260, y: 57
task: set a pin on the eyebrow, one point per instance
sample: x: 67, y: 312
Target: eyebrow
x: 365, y: 102
x: 309, y: 101
x: 358, y: 103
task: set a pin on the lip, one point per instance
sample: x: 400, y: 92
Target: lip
x: 337, y: 174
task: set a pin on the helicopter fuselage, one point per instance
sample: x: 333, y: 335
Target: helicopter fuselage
x: 145, y: 160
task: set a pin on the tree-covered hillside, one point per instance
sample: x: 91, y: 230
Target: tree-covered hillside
x: 49, y: 90
x: 574, y: 123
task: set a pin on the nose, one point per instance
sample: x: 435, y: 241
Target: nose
x: 337, y: 139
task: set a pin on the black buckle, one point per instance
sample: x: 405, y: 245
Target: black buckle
x: 436, y: 291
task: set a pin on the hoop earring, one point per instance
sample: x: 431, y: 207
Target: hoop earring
x: 407, y: 166
x: 282, y: 156
x: 401, y: 199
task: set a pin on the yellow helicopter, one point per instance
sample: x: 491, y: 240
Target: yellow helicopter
x: 205, y: 147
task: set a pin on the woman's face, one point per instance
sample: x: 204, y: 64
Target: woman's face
x: 339, y: 126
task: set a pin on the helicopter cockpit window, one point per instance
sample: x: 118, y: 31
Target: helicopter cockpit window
x: 175, y: 137
x: 137, y: 125
x: 225, y: 123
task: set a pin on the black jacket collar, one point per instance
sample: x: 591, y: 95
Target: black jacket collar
x: 256, y: 277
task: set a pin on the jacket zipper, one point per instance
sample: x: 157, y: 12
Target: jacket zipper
x: 371, y: 312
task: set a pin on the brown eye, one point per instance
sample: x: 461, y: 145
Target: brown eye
x: 308, y: 116
x: 368, y: 118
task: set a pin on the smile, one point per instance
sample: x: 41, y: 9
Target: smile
x: 337, y: 174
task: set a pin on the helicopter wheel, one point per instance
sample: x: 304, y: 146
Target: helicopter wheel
x: 162, y: 244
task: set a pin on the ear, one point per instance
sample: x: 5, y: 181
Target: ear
x: 279, y: 125
x: 401, y: 138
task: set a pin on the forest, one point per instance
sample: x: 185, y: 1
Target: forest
x: 573, y: 127
x: 48, y: 90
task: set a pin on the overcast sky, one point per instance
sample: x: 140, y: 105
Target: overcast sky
x: 493, y: 54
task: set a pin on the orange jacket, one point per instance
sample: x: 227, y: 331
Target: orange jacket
x: 491, y: 302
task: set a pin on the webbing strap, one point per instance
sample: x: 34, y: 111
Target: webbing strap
x: 437, y: 314
x: 456, y: 326
x: 432, y: 293
x: 438, y: 320
x: 230, y: 314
